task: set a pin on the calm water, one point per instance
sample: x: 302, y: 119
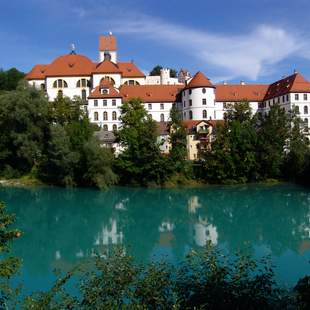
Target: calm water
x: 62, y: 227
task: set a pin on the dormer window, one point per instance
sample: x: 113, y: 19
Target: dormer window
x: 104, y: 91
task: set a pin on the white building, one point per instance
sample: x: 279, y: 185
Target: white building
x: 106, y: 84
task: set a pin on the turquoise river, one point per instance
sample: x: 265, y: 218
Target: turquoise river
x: 64, y: 226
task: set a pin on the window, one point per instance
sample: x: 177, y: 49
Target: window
x: 42, y: 86
x: 296, y: 97
x: 297, y: 109
x: 162, y: 117
x: 189, y: 91
x: 204, y: 114
x: 203, y: 90
x: 95, y: 103
x: 104, y: 91
x: 287, y: 97
x: 204, y: 101
x: 114, y: 102
x: 150, y: 106
x: 162, y: 106
x: 105, y: 127
x: 60, y: 84
x: 60, y: 94
x: 105, y: 116
x: 84, y: 95
x: 305, y: 109
x: 131, y: 82
x: 82, y: 83
x: 306, y: 122
x: 114, y: 127
x: 190, y: 102
x: 96, y: 116
x: 305, y: 97
x: 105, y: 102
x: 184, y: 104
x: 107, y: 78
x: 114, y: 116
x: 190, y: 114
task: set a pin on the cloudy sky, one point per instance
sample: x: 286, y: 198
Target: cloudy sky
x: 252, y: 40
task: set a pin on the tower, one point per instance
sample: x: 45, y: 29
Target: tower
x: 107, y: 45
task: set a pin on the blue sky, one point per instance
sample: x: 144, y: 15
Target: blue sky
x: 231, y: 40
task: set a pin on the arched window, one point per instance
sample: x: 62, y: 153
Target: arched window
x: 108, y: 78
x: 60, y: 84
x: 105, y: 116
x: 42, y: 86
x: 305, y: 109
x: 297, y: 109
x: 83, y: 83
x: 105, y: 127
x: 162, y: 117
x: 131, y: 82
x: 96, y: 116
x: 84, y: 95
x: 60, y: 94
x: 114, y: 127
x: 190, y: 114
x: 204, y: 114
x: 306, y: 122
x: 114, y: 116
x: 203, y: 90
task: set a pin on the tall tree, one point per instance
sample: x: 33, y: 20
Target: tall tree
x: 23, y: 127
x: 157, y: 68
x: 273, y: 136
x: 141, y: 161
x: 9, y: 79
x: 178, y: 142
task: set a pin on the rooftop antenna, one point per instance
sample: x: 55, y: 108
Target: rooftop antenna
x: 72, y: 47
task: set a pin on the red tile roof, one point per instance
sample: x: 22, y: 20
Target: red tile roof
x: 107, y: 43
x: 293, y: 83
x: 129, y: 69
x: 152, y: 93
x: 70, y: 65
x: 106, y: 66
x: 199, y: 80
x: 37, y: 73
x: 113, y: 92
x: 240, y: 92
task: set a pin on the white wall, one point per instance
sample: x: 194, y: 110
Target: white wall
x: 197, y: 106
x: 116, y: 77
x: 69, y: 91
x: 101, y: 109
x: 156, y: 110
x: 141, y: 81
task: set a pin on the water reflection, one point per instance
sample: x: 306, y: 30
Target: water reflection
x: 62, y: 227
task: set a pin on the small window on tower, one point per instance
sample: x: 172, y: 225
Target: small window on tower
x: 203, y: 90
x: 204, y: 101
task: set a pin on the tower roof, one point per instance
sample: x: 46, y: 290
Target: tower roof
x: 107, y: 43
x: 199, y: 80
x: 107, y: 66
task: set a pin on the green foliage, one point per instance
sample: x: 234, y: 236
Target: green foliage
x: 207, y: 279
x: 141, y: 161
x: 251, y: 148
x: 23, y: 128
x: 8, y: 265
x: 9, y: 79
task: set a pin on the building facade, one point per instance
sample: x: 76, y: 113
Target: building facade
x: 106, y: 84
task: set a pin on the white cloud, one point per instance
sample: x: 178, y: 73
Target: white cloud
x: 249, y: 55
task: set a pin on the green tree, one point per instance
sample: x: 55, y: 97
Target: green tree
x: 178, y: 142
x: 233, y: 154
x: 23, y: 127
x: 9, y: 79
x: 297, y: 149
x: 141, y: 161
x: 273, y: 133
x: 8, y: 265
